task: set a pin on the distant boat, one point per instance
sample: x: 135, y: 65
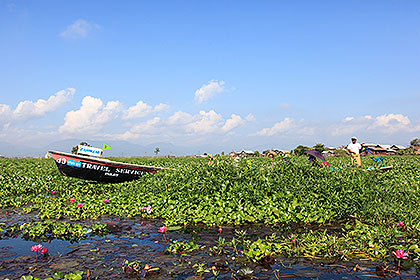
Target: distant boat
x: 99, y: 169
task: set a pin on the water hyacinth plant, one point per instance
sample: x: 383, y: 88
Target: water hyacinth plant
x: 334, y: 213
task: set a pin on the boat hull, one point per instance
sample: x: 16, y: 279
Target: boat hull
x: 96, y: 169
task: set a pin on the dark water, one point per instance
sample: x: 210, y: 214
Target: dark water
x: 136, y: 240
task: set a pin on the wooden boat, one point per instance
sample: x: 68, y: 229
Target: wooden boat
x: 99, y: 169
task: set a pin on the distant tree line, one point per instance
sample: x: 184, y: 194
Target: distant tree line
x: 300, y: 150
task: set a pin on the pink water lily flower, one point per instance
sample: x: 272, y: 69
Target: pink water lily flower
x: 37, y: 248
x: 401, y: 223
x: 44, y: 251
x: 162, y: 229
x: 79, y: 205
x: 53, y: 192
x: 72, y: 200
x: 143, y: 208
x: 400, y: 254
x: 105, y: 201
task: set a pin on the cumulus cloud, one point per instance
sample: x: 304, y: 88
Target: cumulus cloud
x: 278, y: 127
x: 181, y: 125
x: 351, y: 125
x: 205, y: 122
x: 233, y: 122
x: 79, y: 29
x: 141, y: 110
x: 5, y: 112
x: 387, y: 124
x: 209, y: 90
x: 392, y: 123
x: 288, y: 126
x: 180, y: 118
x: 250, y: 117
x: 91, y: 116
x: 148, y: 126
x: 28, y: 109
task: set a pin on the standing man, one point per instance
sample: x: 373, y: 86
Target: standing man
x: 354, y: 150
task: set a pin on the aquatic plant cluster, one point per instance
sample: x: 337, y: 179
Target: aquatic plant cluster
x: 359, y: 212
x: 77, y: 275
x: 48, y: 230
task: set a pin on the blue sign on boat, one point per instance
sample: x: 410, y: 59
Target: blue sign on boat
x: 74, y: 163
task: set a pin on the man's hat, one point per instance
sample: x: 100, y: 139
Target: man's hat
x: 353, y: 138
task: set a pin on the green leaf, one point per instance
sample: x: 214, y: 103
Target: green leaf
x: 58, y: 275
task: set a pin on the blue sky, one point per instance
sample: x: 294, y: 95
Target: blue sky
x: 228, y: 74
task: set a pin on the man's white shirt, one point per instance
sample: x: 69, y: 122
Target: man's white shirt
x: 355, y: 148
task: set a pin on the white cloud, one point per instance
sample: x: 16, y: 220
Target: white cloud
x: 209, y: 90
x: 128, y: 135
x: 392, y: 123
x: 279, y: 127
x: 182, y: 125
x: 148, y: 126
x: 28, y: 109
x: 250, y: 117
x: 79, y: 29
x: 233, y: 122
x: 351, y: 125
x: 205, y: 122
x: 91, y: 116
x: 386, y: 124
x: 141, y: 110
x: 180, y: 118
x: 5, y: 111
x: 161, y: 107
x: 144, y: 123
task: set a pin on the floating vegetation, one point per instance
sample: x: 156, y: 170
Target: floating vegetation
x: 232, y: 219
x: 48, y: 230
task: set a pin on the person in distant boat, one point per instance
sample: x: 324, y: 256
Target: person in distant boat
x: 312, y: 160
x: 271, y: 157
x: 354, y: 149
x: 211, y: 159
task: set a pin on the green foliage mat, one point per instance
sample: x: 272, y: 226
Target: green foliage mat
x: 226, y: 192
